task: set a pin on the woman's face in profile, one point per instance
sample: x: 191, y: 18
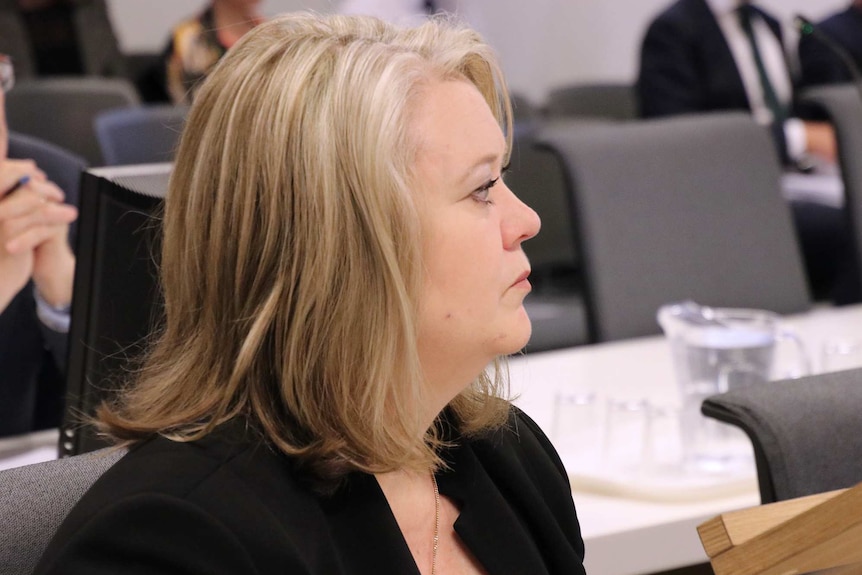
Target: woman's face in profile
x: 473, y: 225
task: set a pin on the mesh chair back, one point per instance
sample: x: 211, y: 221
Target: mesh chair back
x: 35, y: 499
x: 683, y: 208
x: 608, y: 101
x: 140, y: 135
x: 61, y: 110
x: 806, y: 433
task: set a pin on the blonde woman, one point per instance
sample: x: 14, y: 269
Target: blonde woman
x: 341, y: 263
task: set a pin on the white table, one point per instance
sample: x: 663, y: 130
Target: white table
x: 624, y: 535
x: 30, y: 448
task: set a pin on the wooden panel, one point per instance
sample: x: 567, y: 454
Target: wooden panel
x: 791, y: 537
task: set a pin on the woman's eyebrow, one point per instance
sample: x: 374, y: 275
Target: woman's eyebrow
x: 484, y: 160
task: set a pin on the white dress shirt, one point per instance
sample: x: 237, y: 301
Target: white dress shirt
x: 775, y: 63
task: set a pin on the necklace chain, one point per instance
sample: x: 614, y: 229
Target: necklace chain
x: 436, y: 524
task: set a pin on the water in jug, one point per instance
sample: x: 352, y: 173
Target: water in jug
x: 716, y: 350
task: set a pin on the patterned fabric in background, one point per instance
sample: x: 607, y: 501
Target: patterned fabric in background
x: 194, y: 49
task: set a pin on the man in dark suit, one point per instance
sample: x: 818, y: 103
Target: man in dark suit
x: 820, y: 65
x: 697, y: 57
x: 36, y: 270
x: 709, y: 55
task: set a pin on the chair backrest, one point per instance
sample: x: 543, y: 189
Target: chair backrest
x: 523, y: 108
x: 61, y: 110
x: 843, y: 105
x: 60, y: 165
x: 555, y: 307
x: 610, y: 101
x: 35, y: 499
x: 538, y: 178
x: 806, y: 433
x: 140, y: 135
x: 675, y: 209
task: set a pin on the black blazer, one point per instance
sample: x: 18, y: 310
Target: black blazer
x: 819, y: 64
x: 686, y: 66
x: 230, y: 504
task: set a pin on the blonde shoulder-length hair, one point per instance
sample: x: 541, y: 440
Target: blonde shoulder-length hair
x: 291, y: 258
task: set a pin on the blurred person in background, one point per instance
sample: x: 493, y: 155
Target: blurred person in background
x: 711, y: 55
x: 198, y: 43
x: 60, y: 38
x: 700, y: 56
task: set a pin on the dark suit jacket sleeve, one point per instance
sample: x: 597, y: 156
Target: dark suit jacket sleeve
x: 668, y: 81
x: 57, y: 343
x: 150, y: 534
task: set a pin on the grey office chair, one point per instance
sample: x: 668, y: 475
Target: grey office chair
x: 35, y: 499
x: 523, y: 108
x: 676, y: 209
x: 555, y: 307
x: 60, y: 165
x: 806, y: 433
x: 843, y: 106
x: 140, y: 135
x: 609, y: 101
x: 61, y: 110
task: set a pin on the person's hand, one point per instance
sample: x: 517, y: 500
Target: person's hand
x: 34, y: 224
x: 820, y: 140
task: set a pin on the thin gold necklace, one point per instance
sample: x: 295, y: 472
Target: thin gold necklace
x: 436, y: 524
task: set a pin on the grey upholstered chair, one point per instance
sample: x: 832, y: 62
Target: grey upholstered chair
x: 843, y: 106
x: 61, y: 110
x: 555, y: 307
x: 609, y: 101
x: 60, y: 165
x: 35, y: 499
x: 140, y: 135
x: 676, y: 209
x: 807, y: 433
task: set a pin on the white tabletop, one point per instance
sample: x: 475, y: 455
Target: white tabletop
x: 30, y: 448
x: 633, y: 534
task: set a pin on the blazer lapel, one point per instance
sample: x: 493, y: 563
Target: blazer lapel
x: 364, y: 530
x: 724, y: 79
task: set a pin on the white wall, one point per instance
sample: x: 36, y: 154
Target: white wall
x: 542, y: 43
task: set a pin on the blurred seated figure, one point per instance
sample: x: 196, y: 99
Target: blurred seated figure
x: 820, y: 64
x: 706, y: 55
x: 36, y: 273
x: 60, y: 38
x: 198, y: 43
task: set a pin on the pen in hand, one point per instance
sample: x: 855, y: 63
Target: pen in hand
x: 22, y: 181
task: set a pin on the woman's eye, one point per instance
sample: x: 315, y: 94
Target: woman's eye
x: 481, y: 193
